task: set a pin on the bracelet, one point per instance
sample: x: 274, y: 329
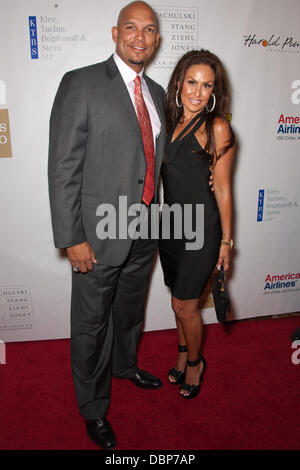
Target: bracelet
x: 230, y: 243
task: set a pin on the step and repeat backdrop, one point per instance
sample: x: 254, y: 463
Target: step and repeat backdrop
x: 259, y: 44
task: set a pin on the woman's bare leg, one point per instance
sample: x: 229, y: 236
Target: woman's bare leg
x: 190, y: 322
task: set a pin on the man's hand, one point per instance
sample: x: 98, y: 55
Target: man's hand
x: 81, y: 257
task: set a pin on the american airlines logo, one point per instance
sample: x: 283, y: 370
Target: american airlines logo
x: 281, y: 281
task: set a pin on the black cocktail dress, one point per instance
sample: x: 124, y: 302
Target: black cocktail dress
x: 185, y: 176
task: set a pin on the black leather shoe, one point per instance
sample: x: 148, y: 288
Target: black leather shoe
x: 296, y: 334
x: 101, y: 433
x: 143, y: 379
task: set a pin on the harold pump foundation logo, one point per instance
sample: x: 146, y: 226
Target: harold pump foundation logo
x: 5, y: 142
x: 272, y: 42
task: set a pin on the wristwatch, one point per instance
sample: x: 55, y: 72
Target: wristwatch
x: 230, y: 243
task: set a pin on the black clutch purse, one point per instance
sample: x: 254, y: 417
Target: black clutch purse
x: 220, y: 296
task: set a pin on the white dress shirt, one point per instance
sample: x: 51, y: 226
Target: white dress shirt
x: 129, y: 76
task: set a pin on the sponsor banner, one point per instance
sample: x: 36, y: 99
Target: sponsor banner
x: 260, y: 208
x: 179, y: 33
x: 5, y: 142
x: 44, y: 40
x: 15, y: 308
x: 273, y: 204
x: 49, y: 36
x: 281, y: 283
x: 273, y: 42
x: 33, y: 37
x: 288, y: 127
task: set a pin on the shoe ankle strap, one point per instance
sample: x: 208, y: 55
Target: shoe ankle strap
x: 182, y: 348
x: 194, y: 363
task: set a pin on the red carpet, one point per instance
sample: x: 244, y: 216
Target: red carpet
x: 249, y: 399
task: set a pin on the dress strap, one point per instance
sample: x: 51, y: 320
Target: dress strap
x: 191, y: 123
x: 198, y: 124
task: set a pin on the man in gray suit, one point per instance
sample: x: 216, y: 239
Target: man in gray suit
x: 107, y: 138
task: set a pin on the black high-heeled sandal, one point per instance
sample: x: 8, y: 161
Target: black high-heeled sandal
x: 178, y: 375
x: 193, y: 390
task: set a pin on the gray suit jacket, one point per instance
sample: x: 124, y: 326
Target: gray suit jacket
x: 96, y: 155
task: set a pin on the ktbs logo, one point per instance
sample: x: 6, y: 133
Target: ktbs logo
x: 5, y: 143
x: 33, y: 37
x: 260, y: 205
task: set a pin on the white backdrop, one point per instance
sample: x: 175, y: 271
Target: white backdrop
x: 259, y: 43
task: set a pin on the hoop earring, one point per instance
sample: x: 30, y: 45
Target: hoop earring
x: 213, y: 106
x: 176, y: 99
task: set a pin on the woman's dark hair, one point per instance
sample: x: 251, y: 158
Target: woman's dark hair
x: 221, y: 92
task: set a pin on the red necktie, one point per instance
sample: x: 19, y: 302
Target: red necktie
x: 147, y: 136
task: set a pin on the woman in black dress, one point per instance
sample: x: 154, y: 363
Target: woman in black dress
x: 199, y: 140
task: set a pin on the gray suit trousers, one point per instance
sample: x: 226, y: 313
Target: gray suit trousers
x: 107, y: 314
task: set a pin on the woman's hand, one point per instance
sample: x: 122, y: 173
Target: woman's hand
x: 224, y: 257
x: 211, y: 180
